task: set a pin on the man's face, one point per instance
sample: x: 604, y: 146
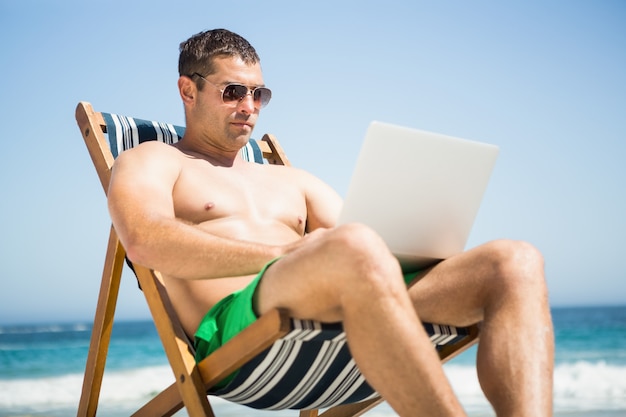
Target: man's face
x: 229, y: 123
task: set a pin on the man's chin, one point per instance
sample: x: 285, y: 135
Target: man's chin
x: 242, y: 139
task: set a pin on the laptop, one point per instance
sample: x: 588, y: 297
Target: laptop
x: 419, y: 190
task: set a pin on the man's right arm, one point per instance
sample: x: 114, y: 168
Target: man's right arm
x: 142, y: 209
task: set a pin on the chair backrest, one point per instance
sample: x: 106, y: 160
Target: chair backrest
x: 126, y: 132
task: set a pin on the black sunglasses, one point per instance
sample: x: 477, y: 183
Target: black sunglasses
x: 237, y: 92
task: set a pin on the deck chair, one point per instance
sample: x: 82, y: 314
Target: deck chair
x: 284, y: 363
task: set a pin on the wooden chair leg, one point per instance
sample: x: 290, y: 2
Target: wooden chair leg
x: 253, y: 340
x: 188, y: 379
x: 102, y: 326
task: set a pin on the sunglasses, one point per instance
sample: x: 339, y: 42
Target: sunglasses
x: 236, y: 92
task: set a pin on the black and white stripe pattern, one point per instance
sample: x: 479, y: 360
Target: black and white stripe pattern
x: 127, y: 132
x: 311, y: 367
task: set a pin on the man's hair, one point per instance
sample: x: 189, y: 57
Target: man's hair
x: 198, y: 52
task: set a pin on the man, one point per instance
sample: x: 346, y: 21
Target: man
x: 202, y: 216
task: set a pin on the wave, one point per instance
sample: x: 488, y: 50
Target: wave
x: 119, y: 388
x: 45, y: 328
x: 578, y: 386
x: 581, y: 386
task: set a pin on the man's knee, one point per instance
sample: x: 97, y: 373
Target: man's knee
x: 355, y: 240
x: 364, y: 254
x: 516, y: 264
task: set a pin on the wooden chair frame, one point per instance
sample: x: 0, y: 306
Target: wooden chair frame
x: 191, y: 380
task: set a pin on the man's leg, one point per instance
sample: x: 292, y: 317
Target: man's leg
x: 501, y: 283
x: 349, y: 275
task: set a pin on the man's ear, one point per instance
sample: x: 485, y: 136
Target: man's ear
x: 187, y: 89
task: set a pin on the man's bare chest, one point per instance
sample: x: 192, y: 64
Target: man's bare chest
x: 207, y: 193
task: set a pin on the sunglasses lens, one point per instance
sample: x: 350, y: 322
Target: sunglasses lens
x: 262, y: 95
x: 234, y: 92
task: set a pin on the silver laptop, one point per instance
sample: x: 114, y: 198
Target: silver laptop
x: 419, y: 190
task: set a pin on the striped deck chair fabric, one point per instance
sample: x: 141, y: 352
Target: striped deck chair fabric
x: 309, y: 368
x: 127, y: 132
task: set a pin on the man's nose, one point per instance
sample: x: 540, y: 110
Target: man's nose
x: 246, y: 104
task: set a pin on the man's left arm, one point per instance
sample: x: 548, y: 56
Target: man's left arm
x: 322, y: 202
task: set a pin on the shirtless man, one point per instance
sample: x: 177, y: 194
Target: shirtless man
x: 210, y: 222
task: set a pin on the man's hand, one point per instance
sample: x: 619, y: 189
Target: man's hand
x: 306, y: 240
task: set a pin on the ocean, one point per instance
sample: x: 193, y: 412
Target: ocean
x: 41, y: 369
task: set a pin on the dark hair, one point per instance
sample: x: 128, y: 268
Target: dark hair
x: 198, y: 52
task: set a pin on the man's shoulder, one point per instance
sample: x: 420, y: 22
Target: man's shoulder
x: 294, y: 175
x: 279, y: 170
x: 149, y: 150
x: 152, y: 158
x: 152, y: 147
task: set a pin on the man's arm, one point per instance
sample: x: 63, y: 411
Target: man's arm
x: 142, y: 210
x: 323, y: 203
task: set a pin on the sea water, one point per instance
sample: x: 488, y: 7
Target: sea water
x: 41, y: 369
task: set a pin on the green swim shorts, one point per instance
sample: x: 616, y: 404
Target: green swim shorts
x: 230, y: 316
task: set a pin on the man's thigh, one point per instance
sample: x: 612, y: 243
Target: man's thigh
x: 304, y: 283
x: 312, y: 281
x: 454, y: 291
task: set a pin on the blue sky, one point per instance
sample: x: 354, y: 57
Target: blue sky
x: 544, y: 80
